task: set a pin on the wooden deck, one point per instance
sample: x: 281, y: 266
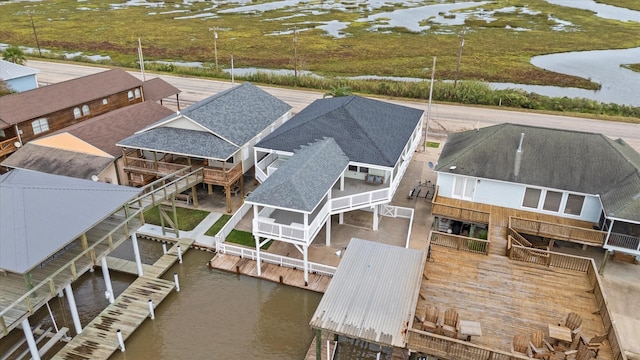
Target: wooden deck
x: 271, y: 272
x: 500, y: 220
x: 98, y: 339
x: 507, y: 297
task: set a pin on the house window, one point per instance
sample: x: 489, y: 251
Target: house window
x: 463, y: 188
x: 531, y: 198
x: 85, y: 110
x: 552, y: 201
x: 130, y: 95
x: 2, y: 134
x: 40, y: 126
x: 363, y: 169
x: 76, y: 113
x: 353, y: 168
x: 105, y: 101
x: 574, y: 204
x: 137, y: 92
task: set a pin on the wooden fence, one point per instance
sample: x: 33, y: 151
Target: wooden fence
x: 458, y: 242
x: 558, y: 231
x: 448, y: 348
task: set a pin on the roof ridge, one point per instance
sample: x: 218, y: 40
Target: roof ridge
x: 366, y: 133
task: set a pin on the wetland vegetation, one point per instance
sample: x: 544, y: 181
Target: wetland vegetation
x: 340, y: 38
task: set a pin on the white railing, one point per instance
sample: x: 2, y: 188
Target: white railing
x: 248, y: 253
x: 262, y: 165
x: 623, y: 241
x: 357, y: 201
x: 231, y: 224
x: 401, y: 212
x: 267, y: 227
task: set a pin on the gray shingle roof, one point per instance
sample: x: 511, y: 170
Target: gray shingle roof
x: 181, y: 141
x: 367, y: 130
x: 57, y: 161
x: 303, y: 180
x: 238, y: 114
x: 373, y: 294
x: 41, y: 213
x: 233, y: 117
x: 561, y: 159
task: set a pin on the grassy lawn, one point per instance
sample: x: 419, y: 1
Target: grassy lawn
x: 245, y: 238
x: 188, y: 219
x: 213, y: 230
x: 432, y: 144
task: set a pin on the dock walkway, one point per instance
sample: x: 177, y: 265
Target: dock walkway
x: 129, y: 310
x: 271, y: 272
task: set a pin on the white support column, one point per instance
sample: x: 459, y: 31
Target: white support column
x: 305, y: 255
x: 341, y: 218
x: 31, y: 341
x: 342, y: 182
x: 328, y: 232
x: 259, y: 266
x: 136, y: 253
x: 375, y: 218
x: 606, y: 240
x: 107, y: 278
x: 74, y: 310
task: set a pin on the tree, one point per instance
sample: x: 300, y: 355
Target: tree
x: 337, y: 91
x: 4, y: 88
x: 14, y: 54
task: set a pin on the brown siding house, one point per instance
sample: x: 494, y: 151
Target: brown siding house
x: 31, y: 114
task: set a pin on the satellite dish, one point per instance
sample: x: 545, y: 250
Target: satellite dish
x: 95, y: 177
x: 17, y: 144
x: 430, y: 164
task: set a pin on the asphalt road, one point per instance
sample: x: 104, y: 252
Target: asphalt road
x: 444, y: 118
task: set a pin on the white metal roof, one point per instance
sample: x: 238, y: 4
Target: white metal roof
x: 9, y: 70
x: 41, y: 213
x: 373, y: 293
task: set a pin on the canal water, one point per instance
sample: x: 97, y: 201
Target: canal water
x: 216, y: 315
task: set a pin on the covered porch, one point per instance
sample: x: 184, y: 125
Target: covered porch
x: 141, y: 171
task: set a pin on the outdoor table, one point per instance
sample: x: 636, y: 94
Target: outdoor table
x: 559, y: 333
x: 470, y: 328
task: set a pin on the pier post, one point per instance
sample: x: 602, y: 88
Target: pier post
x: 375, y: 218
x: 179, y: 254
x: 31, y: 341
x: 136, y: 253
x: 107, y: 278
x: 258, y: 265
x: 305, y: 254
x: 175, y: 279
x: 164, y: 248
x: 328, y: 232
x: 341, y: 218
x: 152, y: 313
x: 74, y: 310
x: 319, y: 344
x: 120, y: 340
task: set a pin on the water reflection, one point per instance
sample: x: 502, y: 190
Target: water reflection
x: 218, y: 315
x: 602, y: 10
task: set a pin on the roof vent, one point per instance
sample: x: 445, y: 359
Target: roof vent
x: 518, y: 160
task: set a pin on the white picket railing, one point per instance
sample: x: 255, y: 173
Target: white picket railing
x: 267, y: 227
x: 356, y: 201
x: 248, y: 253
x: 231, y: 224
x: 401, y: 212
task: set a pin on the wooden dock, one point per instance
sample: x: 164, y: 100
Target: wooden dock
x: 98, y: 339
x: 279, y: 274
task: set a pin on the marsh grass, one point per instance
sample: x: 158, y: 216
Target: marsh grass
x: 188, y: 219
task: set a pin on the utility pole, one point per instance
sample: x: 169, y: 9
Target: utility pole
x: 35, y: 34
x: 295, y: 54
x: 426, y: 128
x: 455, y: 82
x: 215, y: 44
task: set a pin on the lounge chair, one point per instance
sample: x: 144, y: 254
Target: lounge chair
x: 430, y: 321
x: 520, y: 345
x: 574, y: 322
x: 540, y: 348
x: 450, y: 323
x: 594, y: 343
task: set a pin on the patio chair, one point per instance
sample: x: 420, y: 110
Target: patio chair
x: 520, y: 345
x: 582, y: 353
x: 450, y: 323
x: 430, y: 321
x: 540, y: 348
x: 594, y: 343
x: 574, y: 322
